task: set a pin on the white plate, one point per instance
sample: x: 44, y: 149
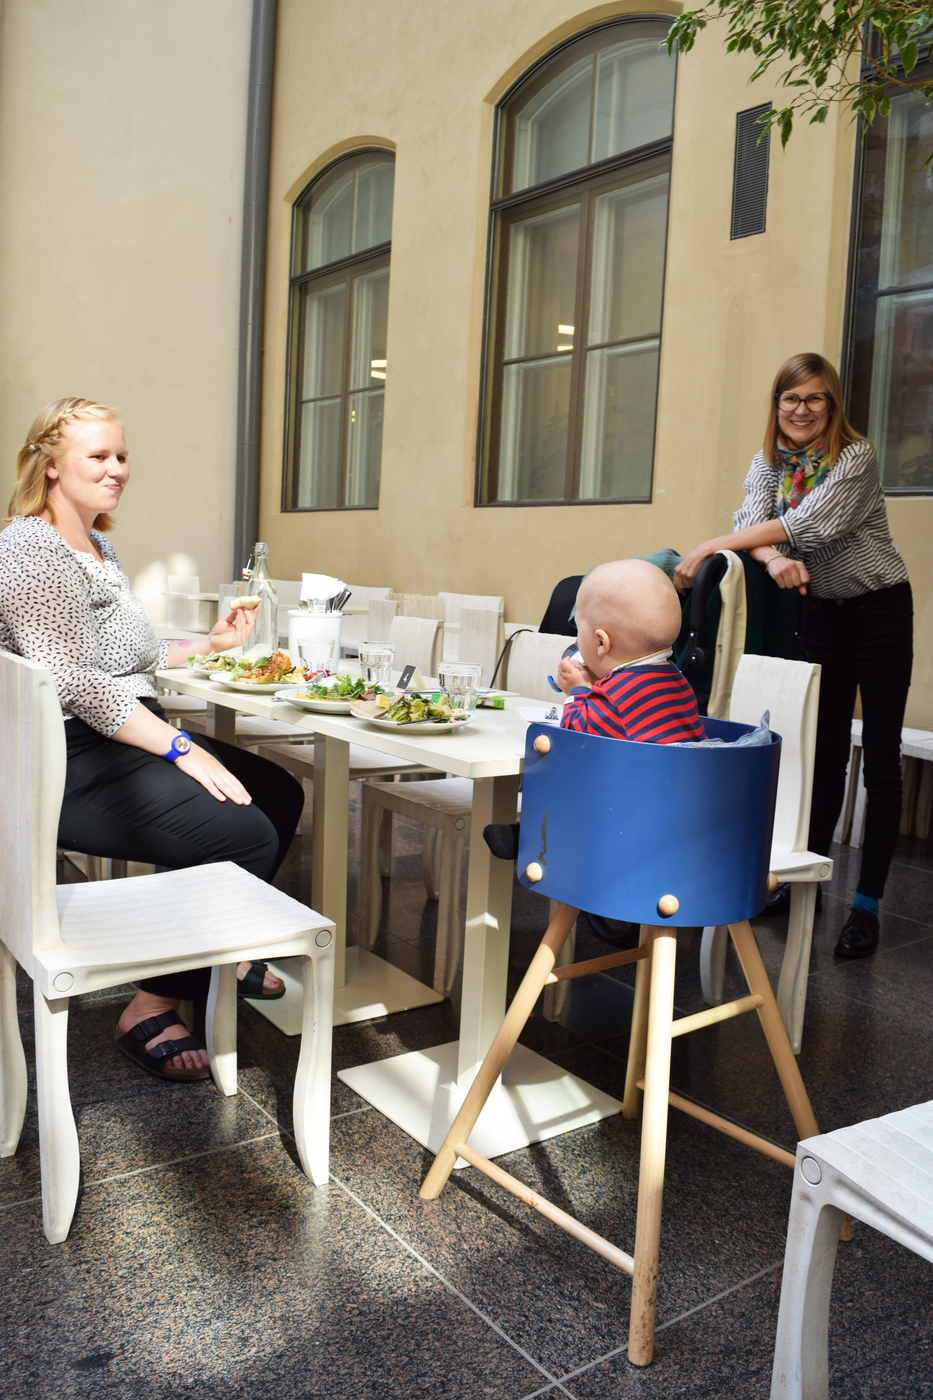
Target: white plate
x: 540, y: 714
x: 248, y: 687
x: 321, y: 707
x: 419, y: 726
x: 196, y: 673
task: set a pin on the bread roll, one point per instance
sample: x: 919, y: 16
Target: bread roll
x: 252, y: 601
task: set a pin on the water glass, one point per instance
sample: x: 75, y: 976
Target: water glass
x: 461, y: 681
x: 376, y: 660
x: 316, y: 655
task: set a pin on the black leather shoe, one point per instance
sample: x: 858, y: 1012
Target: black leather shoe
x: 859, y: 936
x: 502, y: 840
x: 779, y: 901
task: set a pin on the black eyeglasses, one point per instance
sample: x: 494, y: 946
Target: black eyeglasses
x: 814, y: 402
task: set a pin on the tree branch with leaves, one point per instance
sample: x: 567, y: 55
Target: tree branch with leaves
x: 820, y: 43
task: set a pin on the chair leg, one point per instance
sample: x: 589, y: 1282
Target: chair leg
x: 370, y: 872
x: 795, y: 969
x: 432, y: 861
x: 58, y: 1136
x: 773, y: 1027
x: 12, y: 1059
x: 713, y: 963
x: 311, y: 1105
x: 638, y: 1036
x: 502, y: 1046
x: 558, y: 993
x: 653, y: 1146
x: 385, y: 844
x: 449, y: 946
x: 801, y: 1361
x: 220, y: 1027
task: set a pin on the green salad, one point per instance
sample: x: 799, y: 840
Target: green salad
x: 218, y: 661
x: 344, y: 688
x: 416, y: 709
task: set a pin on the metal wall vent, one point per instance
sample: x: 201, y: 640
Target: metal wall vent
x: 750, y: 175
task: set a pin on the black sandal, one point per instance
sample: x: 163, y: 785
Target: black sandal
x: 252, y: 984
x: 133, y: 1046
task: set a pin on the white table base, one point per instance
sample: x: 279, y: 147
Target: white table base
x: 373, y: 988
x: 534, y: 1100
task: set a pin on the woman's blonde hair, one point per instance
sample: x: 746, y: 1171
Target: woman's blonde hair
x: 44, y: 443
x: 839, y: 431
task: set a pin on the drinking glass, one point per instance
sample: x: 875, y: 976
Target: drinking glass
x: 316, y: 655
x: 376, y: 661
x: 461, y: 681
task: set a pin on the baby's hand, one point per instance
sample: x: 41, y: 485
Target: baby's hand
x: 571, y: 674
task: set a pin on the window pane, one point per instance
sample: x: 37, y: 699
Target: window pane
x: 319, y: 454
x: 900, y: 420
x: 552, y: 129
x: 907, y: 218
x: 618, y: 422
x: 372, y: 223
x: 628, y: 262
x: 542, y: 284
x: 634, y: 96
x: 370, y: 319
x: 327, y: 222
x: 324, y: 341
x: 365, y: 448
x: 535, y: 415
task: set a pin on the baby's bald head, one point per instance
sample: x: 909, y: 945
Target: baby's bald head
x: 635, y: 603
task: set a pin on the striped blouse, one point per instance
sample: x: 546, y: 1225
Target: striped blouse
x: 840, y: 530
x: 652, y: 704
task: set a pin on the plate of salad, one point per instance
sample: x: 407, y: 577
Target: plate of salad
x: 262, y: 674
x: 419, y: 714
x: 330, y: 695
x: 210, y: 664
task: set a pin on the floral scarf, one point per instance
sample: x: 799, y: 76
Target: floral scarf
x: 803, y: 469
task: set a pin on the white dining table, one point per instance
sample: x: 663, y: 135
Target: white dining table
x: 422, y: 1090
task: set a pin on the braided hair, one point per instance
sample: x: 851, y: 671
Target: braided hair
x: 45, y: 442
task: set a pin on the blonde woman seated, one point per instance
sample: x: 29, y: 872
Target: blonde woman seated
x: 135, y: 787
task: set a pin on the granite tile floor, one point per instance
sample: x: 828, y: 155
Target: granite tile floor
x: 201, y: 1262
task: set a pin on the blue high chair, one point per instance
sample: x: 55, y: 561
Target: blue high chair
x: 666, y: 837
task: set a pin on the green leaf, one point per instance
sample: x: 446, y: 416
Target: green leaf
x: 909, y: 57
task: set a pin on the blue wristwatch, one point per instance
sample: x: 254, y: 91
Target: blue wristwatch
x: 181, y: 745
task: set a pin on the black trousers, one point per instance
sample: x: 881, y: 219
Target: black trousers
x: 864, y: 643
x: 122, y: 802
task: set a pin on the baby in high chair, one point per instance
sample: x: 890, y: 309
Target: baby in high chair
x: 626, y: 687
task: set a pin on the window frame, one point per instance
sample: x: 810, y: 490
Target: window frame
x: 593, y: 180
x: 851, y: 320
x: 341, y: 270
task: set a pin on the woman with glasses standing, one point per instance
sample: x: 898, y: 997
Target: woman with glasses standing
x: 814, y: 514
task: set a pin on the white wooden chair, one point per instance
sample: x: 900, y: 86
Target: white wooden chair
x: 879, y: 1172
x: 481, y: 639
x: 532, y: 657
x: 423, y: 605
x: 417, y: 642
x: 791, y: 691
x: 379, y: 618
x: 454, y: 603
x: 188, y: 607
x: 80, y: 938
x: 355, y: 615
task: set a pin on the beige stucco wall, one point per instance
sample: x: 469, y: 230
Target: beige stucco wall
x: 122, y: 140
x: 423, y: 78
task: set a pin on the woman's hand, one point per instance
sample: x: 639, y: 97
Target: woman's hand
x: 687, y: 569
x: 571, y: 674
x: 212, y: 775
x: 232, y: 631
x: 788, y: 573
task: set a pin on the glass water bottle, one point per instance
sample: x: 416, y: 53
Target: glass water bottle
x: 264, y: 637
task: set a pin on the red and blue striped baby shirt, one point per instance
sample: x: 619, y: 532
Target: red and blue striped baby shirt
x: 650, y: 704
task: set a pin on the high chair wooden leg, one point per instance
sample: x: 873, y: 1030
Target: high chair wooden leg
x: 638, y: 1038
x: 773, y: 1027
x: 653, y: 1143
x: 12, y: 1059
x: 502, y: 1046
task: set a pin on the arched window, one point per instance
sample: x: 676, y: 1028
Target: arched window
x: 577, y: 272
x: 337, y: 335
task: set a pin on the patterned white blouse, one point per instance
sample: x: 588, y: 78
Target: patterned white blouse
x: 78, y: 618
x: 840, y: 530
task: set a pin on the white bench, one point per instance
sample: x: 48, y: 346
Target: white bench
x: 916, y: 751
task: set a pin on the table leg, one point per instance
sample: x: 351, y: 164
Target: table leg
x: 488, y: 919
x: 221, y: 723
x: 329, y: 844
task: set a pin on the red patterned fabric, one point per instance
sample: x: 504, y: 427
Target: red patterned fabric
x: 650, y: 704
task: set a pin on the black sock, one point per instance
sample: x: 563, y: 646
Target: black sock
x: 502, y: 840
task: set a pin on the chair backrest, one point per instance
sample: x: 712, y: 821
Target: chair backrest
x: 791, y: 691
x: 423, y: 605
x: 354, y: 626
x: 481, y: 639
x: 613, y: 826
x: 182, y: 612
x: 379, y: 619
x: 32, y: 771
x: 416, y: 643
x: 453, y: 603
x: 532, y: 657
